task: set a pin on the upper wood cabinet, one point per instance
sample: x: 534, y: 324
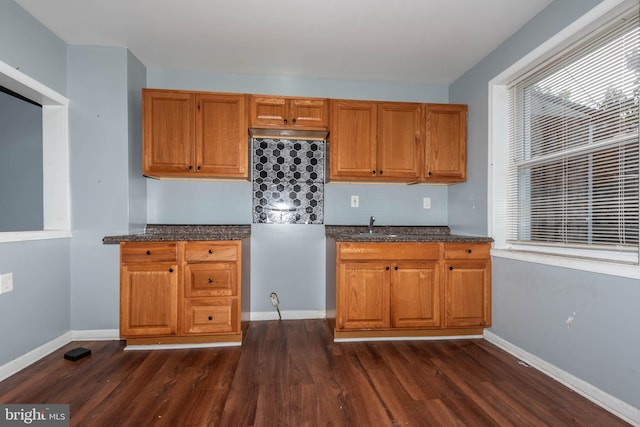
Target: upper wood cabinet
x: 375, y: 141
x: 399, y: 146
x: 352, y: 147
x: 445, y: 143
x: 194, y: 134
x: 285, y: 112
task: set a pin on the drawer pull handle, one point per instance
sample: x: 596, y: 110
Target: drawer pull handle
x: 469, y: 251
x: 148, y: 252
x: 210, y: 251
x: 210, y: 280
x: 210, y: 317
x: 171, y: 270
x: 450, y: 267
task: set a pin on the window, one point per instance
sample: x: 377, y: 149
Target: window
x: 56, y: 211
x: 570, y: 164
x: 20, y: 145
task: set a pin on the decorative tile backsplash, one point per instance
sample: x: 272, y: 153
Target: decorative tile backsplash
x: 288, y: 181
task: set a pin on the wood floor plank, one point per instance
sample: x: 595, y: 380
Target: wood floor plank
x: 291, y: 373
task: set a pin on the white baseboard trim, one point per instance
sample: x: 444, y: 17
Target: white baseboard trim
x: 181, y: 346
x: 21, y: 362
x: 288, y: 315
x: 95, y: 335
x: 410, y: 338
x: 601, y: 398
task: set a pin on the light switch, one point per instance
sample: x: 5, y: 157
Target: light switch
x: 355, y: 201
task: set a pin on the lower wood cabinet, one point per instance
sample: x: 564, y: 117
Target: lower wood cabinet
x: 180, y: 292
x: 434, y: 288
x: 467, y: 285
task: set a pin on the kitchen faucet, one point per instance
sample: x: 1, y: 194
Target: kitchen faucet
x: 371, y: 221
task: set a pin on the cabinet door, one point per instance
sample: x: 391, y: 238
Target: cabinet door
x: 148, y: 299
x: 222, y: 142
x: 363, y: 295
x: 446, y: 142
x: 467, y: 293
x: 269, y: 111
x: 415, y: 294
x: 352, y: 146
x: 168, y: 126
x: 308, y: 113
x: 400, y: 148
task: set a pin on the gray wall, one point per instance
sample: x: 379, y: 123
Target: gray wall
x: 531, y: 302
x: 20, y: 165
x: 30, y: 47
x: 38, y: 309
x: 101, y: 125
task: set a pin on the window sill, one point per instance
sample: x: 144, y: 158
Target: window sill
x: 22, y: 236
x: 595, y: 266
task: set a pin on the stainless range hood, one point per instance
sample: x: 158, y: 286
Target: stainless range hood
x: 319, y: 135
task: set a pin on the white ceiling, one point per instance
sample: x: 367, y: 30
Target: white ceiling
x: 410, y: 41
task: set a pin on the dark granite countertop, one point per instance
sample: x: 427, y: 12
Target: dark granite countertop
x: 164, y: 233
x: 346, y: 233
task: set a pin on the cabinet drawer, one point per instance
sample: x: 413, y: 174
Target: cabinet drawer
x: 211, y: 280
x: 388, y: 251
x: 211, y: 251
x: 206, y: 316
x: 135, y: 252
x: 467, y: 250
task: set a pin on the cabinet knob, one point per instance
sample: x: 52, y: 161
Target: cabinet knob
x: 285, y: 121
x: 210, y: 280
x: 148, y: 252
x: 293, y: 121
x: 210, y: 317
x: 387, y: 268
x: 429, y: 173
x: 190, y: 167
x: 469, y: 251
x: 171, y: 270
x: 373, y: 172
x: 380, y: 172
x: 199, y: 167
x: 210, y: 251
x: 395, y: 268
x: 450, y: 267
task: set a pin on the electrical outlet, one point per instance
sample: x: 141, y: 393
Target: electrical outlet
x: 6, y: 283
x: 426, y: 203
x: 355, y: 201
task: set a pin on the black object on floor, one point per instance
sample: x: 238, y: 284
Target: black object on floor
x: 77, y: 353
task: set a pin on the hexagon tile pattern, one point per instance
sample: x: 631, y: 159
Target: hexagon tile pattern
x: 288, y: 181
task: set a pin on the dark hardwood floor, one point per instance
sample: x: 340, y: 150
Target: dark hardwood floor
x: 291, y: 373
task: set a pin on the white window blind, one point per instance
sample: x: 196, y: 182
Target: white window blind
x: 573, y: 145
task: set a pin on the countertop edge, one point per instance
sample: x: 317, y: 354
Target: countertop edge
x: 175, y: 233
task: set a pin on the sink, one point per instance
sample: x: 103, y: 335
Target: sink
x: 372, y: 235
